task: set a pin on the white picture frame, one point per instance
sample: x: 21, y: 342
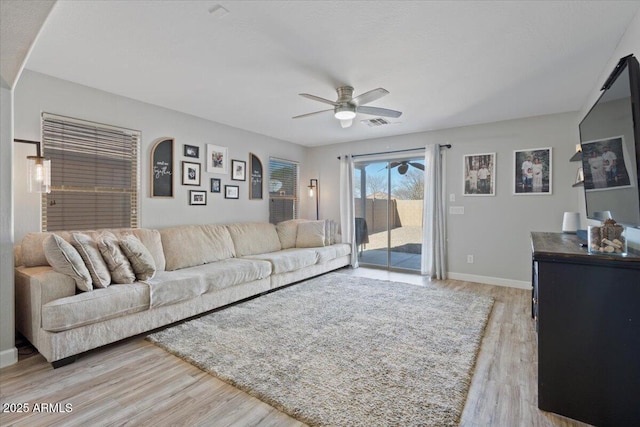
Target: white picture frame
x: 217, y: 159
x: 533, y: 172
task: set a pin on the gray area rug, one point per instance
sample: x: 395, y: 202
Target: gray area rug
x: 339, y: 350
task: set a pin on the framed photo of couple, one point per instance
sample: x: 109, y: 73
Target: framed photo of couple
x: 479, y: 174
x: 532, y: 171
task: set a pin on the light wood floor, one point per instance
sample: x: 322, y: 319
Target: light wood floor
x: 136, y: 383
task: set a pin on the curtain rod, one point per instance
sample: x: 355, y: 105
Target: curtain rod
x: 395, y: 151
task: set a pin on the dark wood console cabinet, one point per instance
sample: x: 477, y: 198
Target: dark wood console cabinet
x: 587, y: 313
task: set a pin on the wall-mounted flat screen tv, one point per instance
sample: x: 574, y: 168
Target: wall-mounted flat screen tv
x: 610, y: 141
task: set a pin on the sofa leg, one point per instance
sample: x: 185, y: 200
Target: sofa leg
x: 63, y: 362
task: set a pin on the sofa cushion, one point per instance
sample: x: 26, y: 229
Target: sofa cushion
x: 93, y: 307
x: 328, y: 253
x: 118, y: 263
x: 330, y: 231
x: 190, y: 245
x: 310, y: 234
x: 254, y: 238
x: 153, y: 242
x: 171, y: 287
x: 65, y: 259
x: 288, y: 259
x: 342, y: 249
x: 88, y: 250
x: 139, y: 256
x: 32, y: 247
x: 287, y: 232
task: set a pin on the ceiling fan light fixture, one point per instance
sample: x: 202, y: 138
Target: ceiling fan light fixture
x: 346, y: 123
x: 345, y: 112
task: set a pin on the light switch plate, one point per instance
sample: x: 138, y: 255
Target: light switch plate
x: 456, y: 210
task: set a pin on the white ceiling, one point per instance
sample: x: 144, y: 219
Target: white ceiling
x: 445, y: 64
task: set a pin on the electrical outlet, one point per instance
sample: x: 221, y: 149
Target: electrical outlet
x: 452, y: 197
x: 469, y: 259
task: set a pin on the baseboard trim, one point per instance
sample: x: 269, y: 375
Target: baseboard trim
x: 520, y: 284
x: 8, y: 357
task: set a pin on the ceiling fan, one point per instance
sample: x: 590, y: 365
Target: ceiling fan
x: 346, y: 106
x: 403, y: 166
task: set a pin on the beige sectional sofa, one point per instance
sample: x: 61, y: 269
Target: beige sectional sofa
x: 197, y: 268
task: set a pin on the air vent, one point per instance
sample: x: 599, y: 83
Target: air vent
x: 375, y: 122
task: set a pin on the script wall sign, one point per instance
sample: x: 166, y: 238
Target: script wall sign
x: 255, y: 187
x: 162, y: 168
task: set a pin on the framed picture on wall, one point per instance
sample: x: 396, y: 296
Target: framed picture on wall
x: 191, y: 151
x: 215, y: 185
x: 479, y: 174
x: 197, y: 197
x: 190, y: 173
x: 238, y: 170
x: 532, y: 171
x: 217, y: 159
x: 231, y: 192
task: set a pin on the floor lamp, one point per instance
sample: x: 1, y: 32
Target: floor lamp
x: 315, y: 189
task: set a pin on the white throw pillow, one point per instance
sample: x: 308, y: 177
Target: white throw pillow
x: 88, y: 250
x: 288, y: 231
x: 310, y: 234
x: 139, y: 256
x: 65, y: 259
x: 119, y: 266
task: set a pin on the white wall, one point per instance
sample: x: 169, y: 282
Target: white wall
x: 35, y: 93
x: 493, y: 229
x: 8, y: 352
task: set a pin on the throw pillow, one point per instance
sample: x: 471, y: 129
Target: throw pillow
x: 310, y: 234
x: 88, y: 250
x: 119, y: 266
x: 330, y: 230
x: 139, y: 256
x: 288, y: 231
x: 66, y: 260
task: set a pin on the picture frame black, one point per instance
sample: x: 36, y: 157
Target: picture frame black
x: 238, y: 170
x: 190, y: 173
x: 197, y: 198
x: 191, y: 151
x: 215, y: 185
x: 231, y: 192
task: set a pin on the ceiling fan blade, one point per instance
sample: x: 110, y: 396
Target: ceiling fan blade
x: 311, y: 114
x: 370, y: 96
x: 375, y: 111
x: 417, y: 165
x: 317, y: 98
x: 394, y: 164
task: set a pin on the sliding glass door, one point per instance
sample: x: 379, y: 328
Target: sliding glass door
x: 388, y: 209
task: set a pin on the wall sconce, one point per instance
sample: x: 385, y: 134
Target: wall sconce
x: 314, y: 189
x: 38, y: 170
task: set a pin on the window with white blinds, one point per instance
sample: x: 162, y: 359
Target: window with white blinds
x: 94, y: 175
x: 283, y: 190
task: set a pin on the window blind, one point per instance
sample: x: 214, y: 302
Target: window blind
x: 283, y: 190
x: 94, y: 175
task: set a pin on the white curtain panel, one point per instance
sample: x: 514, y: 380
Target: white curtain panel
x: 347, y: 206
x: 434, y: 238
